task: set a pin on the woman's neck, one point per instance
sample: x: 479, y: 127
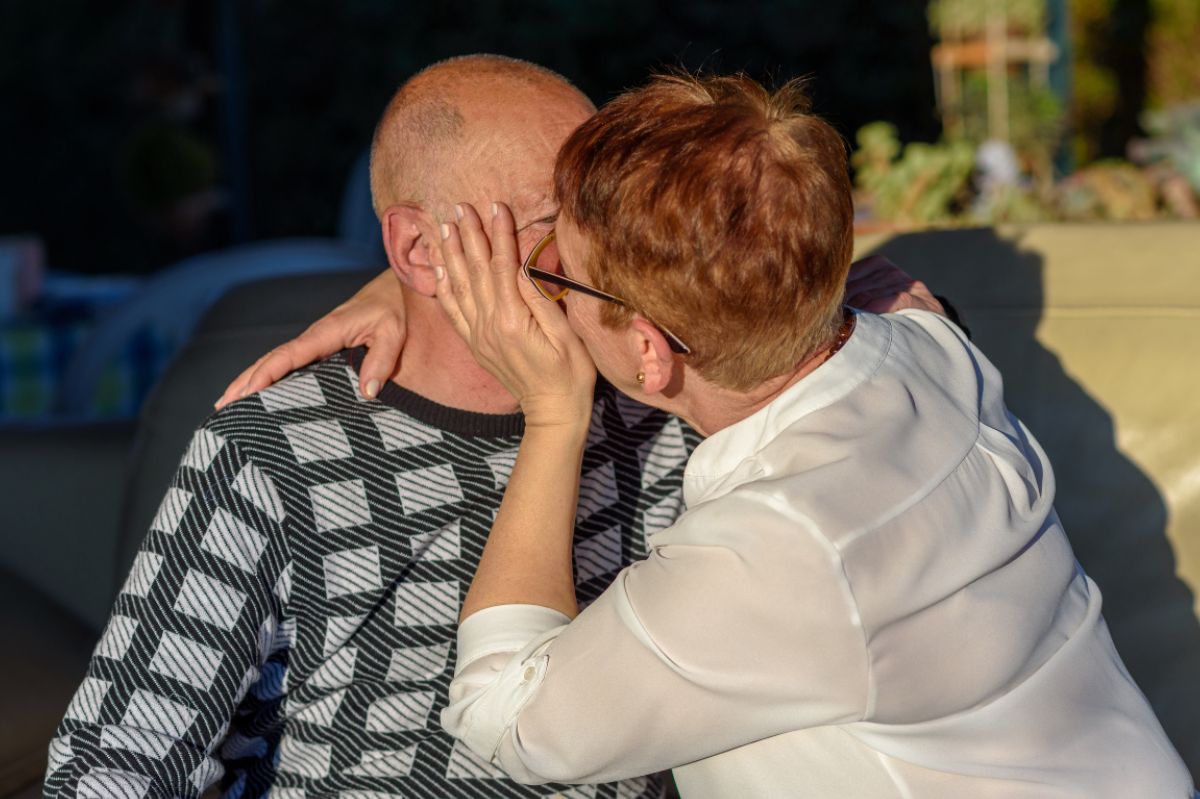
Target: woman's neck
x: 708, y: 407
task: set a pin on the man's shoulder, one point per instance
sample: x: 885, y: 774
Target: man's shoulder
x: 297, y: 418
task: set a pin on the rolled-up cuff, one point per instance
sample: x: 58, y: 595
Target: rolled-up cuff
x: 503, y: 628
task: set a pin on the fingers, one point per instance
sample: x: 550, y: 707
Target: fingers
x: 874, y: 270
x: 478, y: 251
x: 278, y: 364
x: 922, y: 292
x: 506, y: 259
x: 380, y: 363
x: 890, y: 293
x: 875, y: 282
x: 482, y: 271
x: 385, y: 344
x: 860, y: 294
x: 453, y: 284
x: 882, y: 305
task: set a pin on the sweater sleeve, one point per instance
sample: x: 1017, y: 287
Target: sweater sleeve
x: 189, y: 635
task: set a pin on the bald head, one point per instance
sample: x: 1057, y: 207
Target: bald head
x: 470, y: 119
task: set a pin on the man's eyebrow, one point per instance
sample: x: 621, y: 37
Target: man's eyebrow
x: 549, y: 219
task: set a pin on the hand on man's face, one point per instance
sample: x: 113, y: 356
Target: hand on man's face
x: 877, y: 285
x: 375, y: 316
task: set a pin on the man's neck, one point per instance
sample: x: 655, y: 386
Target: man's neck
x: 438, y: 365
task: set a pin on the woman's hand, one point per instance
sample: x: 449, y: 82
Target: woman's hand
x: 525, y: 341
x: 373, y: 317
x: 515, y: 333
x: 876, y: 285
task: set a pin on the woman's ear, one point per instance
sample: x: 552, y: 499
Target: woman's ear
x: 403, y: 227
x: 658, y: 365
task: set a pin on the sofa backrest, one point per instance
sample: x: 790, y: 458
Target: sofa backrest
x: 172, y: 302
x: 1096, y: 331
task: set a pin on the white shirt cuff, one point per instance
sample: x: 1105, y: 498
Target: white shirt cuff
x: 503, y: 628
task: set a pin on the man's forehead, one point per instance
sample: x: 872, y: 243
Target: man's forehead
x: 529, y: 193
x: 519, y: 179
x: 510, y: 157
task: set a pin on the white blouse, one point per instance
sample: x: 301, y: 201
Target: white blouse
x: 870, y: 595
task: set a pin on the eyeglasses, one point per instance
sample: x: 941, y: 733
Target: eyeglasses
x: 544, y: 269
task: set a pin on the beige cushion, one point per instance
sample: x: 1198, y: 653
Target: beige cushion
x: 1096, y: 330
x: 43, y: 660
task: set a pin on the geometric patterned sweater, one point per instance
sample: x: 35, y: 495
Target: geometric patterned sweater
x: 288, y: 626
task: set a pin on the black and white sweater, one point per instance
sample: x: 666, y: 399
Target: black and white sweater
x: 288, y: 627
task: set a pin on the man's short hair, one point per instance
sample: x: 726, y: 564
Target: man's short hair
x: 422, y: 121
x: 721, y: 210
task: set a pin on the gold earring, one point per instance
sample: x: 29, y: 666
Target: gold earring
x: 641, y: 377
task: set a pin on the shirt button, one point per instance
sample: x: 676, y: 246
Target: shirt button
x: 528, y: 674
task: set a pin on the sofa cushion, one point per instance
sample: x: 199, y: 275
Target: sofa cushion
x: 45, y: 655
x: 62, y: 498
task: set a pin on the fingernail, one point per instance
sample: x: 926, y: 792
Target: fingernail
x: 439, y: 272
x: 458, y: 211
x: 217, y: 404
x: 445, y: 231
x: 495, y: 209
x: 372, y: 389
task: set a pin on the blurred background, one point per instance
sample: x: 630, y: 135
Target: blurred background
x: 135, y: 137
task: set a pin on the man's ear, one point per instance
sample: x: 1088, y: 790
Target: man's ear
x: 403, y: 227
x: 658, y: 364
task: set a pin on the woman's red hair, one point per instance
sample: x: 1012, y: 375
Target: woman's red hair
x: 721, y: 210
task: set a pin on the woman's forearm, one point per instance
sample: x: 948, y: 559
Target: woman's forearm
x: 527, y: 558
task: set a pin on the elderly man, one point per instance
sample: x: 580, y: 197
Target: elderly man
x: 289, y: 623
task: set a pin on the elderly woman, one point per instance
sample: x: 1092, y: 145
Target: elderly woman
x: 870, y: 594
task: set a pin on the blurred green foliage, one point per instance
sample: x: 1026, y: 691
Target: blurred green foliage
x: 970, y: 17
x: 1173, y: 52
x: 1128, y: 55
x: 1109, y: 190
x: 1036, y: 121
x: 919, y: 184
x: 1174, y: 138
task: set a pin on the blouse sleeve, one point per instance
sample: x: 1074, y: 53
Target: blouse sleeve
x: 740, y: 625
